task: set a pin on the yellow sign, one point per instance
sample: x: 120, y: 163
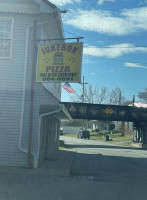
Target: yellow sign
x: 59, y: 62
x: 109, y: 111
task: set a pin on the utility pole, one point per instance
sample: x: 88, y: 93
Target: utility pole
x: 120, y: 98
x: 133, y: 99
x: 83, y: 83
x: 83, y: 98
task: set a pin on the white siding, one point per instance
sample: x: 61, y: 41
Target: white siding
x: 71, y: 129
x: 11, y: 91
x: 49, y: 31
x: 41, y: 97
x: 11, y: 76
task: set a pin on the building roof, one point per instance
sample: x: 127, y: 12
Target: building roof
x: 59, y: 111
x: 49, y: 3
x: 27, y: 6
x: 139, y: 105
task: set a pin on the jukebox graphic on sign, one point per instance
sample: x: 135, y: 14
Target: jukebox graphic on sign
x: 58, y: 58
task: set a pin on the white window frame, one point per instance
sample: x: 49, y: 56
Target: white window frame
x: 8, y: 38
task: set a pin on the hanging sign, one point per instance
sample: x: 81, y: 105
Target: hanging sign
x: 59, y: 62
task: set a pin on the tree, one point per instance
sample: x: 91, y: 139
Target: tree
x: 143, y: 95
x: 116, y: 97
x: 100, y: 95
x: 92, y: 95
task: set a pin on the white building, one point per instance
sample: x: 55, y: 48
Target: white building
x: 29, y: 122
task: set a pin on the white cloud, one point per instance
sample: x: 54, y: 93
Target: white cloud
x: 107, y: 71
x: 112, y: 51
x: 88, y: 61
x: 98, y: 21
x: 129, y: 21
x: 138, y: 17
x: 63, y: 2
x: 129, y: 64
x: 100, y: 2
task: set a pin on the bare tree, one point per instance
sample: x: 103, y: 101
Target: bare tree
x: 92, y: 95
x: 100, y: 95
x: 103, y: 95
x: 143, y: 95
x: 116, y: 97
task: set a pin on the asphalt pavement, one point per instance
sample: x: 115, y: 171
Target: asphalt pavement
x: 79, y: 173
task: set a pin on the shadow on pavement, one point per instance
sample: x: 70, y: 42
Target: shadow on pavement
x: 131, y: 170
x: 99, y: 146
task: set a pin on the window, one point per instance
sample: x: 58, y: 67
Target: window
x: 6, y: 34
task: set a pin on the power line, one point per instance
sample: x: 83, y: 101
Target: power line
x: 105, y: 38
x: 115, y: 47
x: 64, y: 31
x: 71, y: 33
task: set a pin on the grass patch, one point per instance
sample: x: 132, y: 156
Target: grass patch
x: 101, y: 136
x: 71, y: 134
x: 118, y: 137
x: 64, y: 147
x: 115, y: 137
x: 126, y: 144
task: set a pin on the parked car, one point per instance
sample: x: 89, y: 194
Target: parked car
x: 84, y: 134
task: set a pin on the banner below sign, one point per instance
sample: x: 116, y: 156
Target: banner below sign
x: 59, y: 62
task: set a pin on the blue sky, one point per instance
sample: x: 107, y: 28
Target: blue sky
x: 115, y: 42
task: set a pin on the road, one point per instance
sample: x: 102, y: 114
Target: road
x: 99, y: 171
x: 109, y: 163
